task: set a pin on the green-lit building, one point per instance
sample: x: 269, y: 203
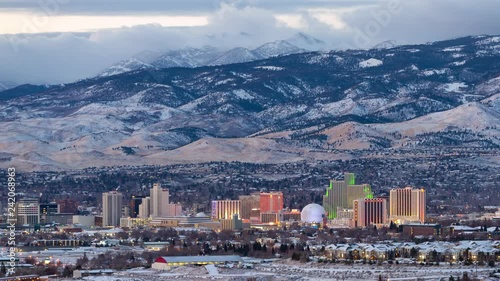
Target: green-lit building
x: 341, y: 194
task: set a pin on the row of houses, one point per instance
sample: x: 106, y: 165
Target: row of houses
x: 484, y: 250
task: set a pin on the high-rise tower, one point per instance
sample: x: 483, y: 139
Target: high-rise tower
x: 341, y: 194
x: 159, y: 201
x: 111, y: 208
x: 271, y: 202
x: 369, y: 211
x: 407, y: 205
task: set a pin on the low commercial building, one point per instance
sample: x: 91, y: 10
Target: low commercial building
x: 421, y: 229
x: 178, y: 221
x: 84, y: 221
x: 289, y: 215
x: 133, y: 222
x: 269, y: 217
x: 164, y: 263
x: 232, y: 224
x: 156, y: 246
x: 79, y: 274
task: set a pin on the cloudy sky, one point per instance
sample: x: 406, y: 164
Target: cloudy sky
x: 59, y: 41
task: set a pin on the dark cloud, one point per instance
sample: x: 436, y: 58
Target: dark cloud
x: 420, y: 21
x: 58, y: 58
x: 134, y: 7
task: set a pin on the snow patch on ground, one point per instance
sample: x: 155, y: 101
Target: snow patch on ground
x: 269, y: 67
x: 370, y: 63
x: 242, y: 94
x: 225, y: 81
x: 456, y: 87
x: 453, y: 49
x: 458, y: 55
x: 434, y: 72
x: 322, y: 57
x: 487, y: 41
x: 458, y: 63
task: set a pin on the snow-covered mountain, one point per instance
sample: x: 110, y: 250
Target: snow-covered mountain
x: 306, y: 41
x: 195, y: 57
x: 306, y: 106
x: 387, y: 44
x: 126, y: 66
x: 277, y: 48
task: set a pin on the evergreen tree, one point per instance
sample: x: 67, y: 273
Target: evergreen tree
x: 67, y: 272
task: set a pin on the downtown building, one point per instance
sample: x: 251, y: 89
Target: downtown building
x: 407, y: 205
x: 28, y: 211
x: 271, y: 203
x: 144, y: 208
x: 369, y: 211
x: 250, y: 207
x: 225, y: 209
x: 112, y: 204
x: 134, y: 205
x: 341, y: 194
x: 159, y: 200
x: 159, y: 203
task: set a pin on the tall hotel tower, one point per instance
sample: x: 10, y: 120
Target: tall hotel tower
x: 271, y: 202
x: 250, y: 206
x: 159, y: 201
x: 111, y: 208
x: 407, y: 205
x: 341, y: 194
x: 368, y: 212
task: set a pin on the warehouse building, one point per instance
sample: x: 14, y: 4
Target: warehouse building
x: 164, y: 263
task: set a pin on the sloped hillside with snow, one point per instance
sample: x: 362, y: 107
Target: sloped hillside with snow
x: 317, y: 105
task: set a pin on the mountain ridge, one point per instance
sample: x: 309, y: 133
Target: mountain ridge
x: 197, y: 57
x: 294, y: 101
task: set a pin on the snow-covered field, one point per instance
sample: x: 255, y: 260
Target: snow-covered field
x: 288, y: 270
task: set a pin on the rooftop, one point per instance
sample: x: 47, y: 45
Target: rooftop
x: 192, y: 259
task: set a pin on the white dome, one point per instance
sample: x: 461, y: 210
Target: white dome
x: 312, y: 213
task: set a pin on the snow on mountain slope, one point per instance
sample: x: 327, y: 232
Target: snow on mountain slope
x: 455, y: 87
x: 370, y: 63
x: 195, y: 57
x: 489, y: 87
x: 253, y: 150
x: 353, y: 135
x: 187, y: 57
x: 270, y: 67
x: 300, y: 101
x: 276, y: 48
x: 343, y: 107
x: 126, y: 66
x: 474, y: 116
x: 493, y: 102
x: 236, y: 55
x: 389, y: 44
